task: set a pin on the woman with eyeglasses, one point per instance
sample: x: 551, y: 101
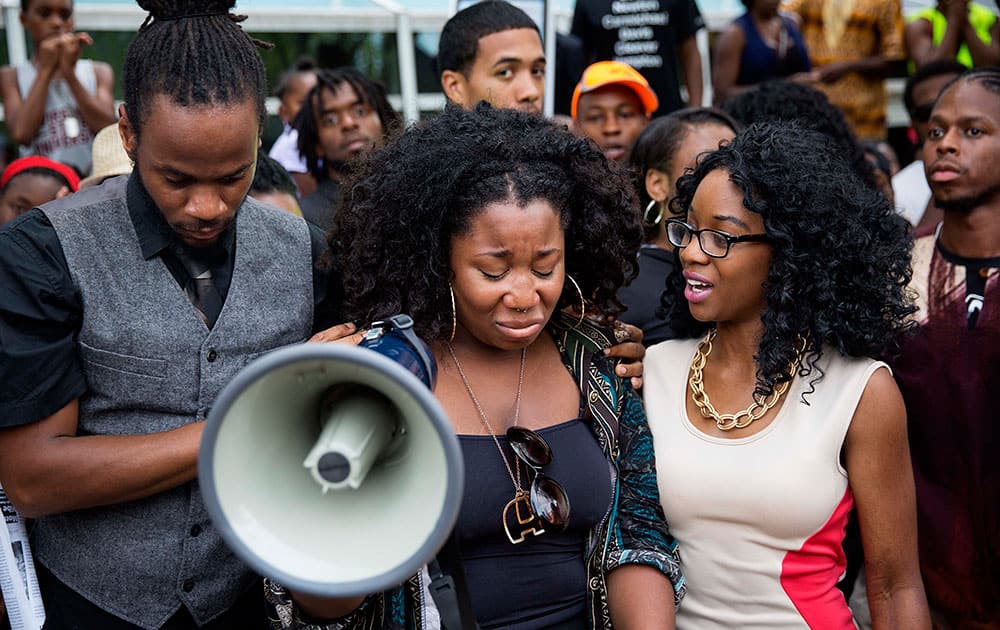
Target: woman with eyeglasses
x: 771, y: 420
x: 504, y: 237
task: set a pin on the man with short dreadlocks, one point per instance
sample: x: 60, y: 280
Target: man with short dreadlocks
x: 342, y: 118
x: 123, y: 311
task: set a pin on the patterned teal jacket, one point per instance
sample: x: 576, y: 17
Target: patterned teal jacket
x: 633, y: 531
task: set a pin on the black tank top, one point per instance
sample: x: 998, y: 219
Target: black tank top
x: 541, y: 582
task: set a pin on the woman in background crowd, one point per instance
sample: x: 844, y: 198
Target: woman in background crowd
x: 29, y: 182
x: 661, y: 154
x: 760, y: 45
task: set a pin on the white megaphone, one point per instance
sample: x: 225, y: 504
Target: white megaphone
x: 331, y: 468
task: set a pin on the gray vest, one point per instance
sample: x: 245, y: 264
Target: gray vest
x: 152, y: 365
x: 63, y: 136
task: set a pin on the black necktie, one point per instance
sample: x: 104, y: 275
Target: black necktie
x: 200, y: 289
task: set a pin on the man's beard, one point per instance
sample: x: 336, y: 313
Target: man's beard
x: 965, y: 205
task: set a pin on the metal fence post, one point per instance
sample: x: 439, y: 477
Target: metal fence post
x: 17, y: 51
x: 407, y: 67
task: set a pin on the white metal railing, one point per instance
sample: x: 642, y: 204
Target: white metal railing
x: 386, y: 16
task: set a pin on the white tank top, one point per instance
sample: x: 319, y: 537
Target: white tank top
x: 759, y: 520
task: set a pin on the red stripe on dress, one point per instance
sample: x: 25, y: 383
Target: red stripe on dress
x: 809, y: 576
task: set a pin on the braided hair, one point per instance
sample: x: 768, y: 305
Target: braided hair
x: 195, y: 53
x: 986, y: 76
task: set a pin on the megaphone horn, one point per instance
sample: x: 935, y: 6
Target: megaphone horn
x: 331, y: 468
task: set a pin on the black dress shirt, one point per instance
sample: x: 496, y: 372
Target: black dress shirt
x: 41, y: 311
x: 320, y: 207
x: 156, y: 238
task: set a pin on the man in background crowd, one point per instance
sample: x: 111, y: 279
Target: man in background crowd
x: 949, y: 372
x: 611, y: 105
x: 292, y: 88
x: 344, y: 116
x: 913, y: 195
x: 492, y: 51
x: 656, y: 38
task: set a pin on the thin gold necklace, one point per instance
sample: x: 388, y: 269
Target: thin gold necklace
x: 740, y: 419
x: 520, y: 504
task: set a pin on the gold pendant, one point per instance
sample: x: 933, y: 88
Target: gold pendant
x: 527, y: 524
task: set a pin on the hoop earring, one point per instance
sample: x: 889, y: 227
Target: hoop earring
x: 648, y: 218
x: 583, y: 303
x: 454, y: 314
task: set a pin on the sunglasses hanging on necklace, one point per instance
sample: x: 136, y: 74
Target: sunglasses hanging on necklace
x: 545, y: 504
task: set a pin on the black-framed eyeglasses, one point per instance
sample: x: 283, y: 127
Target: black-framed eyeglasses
x: 548, y: 498
x: 713, y: 242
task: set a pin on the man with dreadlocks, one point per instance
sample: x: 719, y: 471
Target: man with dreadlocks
x: 343, y: 117
x: 124, y: 309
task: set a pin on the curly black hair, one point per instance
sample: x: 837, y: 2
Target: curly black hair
x: 841, y: 254
x: 782, y: 100
x: 409, y: 198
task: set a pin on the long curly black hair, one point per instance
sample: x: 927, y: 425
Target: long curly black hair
x: 409, y: 198
x: 841, y: 254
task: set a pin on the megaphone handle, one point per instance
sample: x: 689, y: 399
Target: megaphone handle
x: 404, y: 324
x: 450, y: 590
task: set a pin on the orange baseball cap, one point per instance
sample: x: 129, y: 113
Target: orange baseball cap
x: 604, y: 73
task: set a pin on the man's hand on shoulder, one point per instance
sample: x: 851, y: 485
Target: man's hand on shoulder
x: 343, y: 333
x: 630, y: 350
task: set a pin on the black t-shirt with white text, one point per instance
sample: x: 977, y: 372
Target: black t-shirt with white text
x: 644, y: 34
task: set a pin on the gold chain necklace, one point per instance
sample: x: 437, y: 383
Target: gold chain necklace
x: 740, y: 419
x: 521, y: 503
